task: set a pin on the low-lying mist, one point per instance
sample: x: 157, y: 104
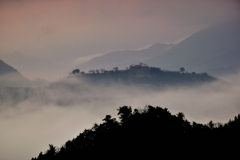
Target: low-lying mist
x: 60, y: 111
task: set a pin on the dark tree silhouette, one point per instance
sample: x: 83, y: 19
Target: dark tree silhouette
x: 182, y: 69
x: 125, y: 112
x: 75, y: 71
x: 150, y: 133
x: 115, y: 68
x: 142, y: 75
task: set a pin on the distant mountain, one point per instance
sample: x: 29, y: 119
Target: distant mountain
x: 215, y: 50
x: 5, y: 68
x: 124, y: 58
x: 10, y: 76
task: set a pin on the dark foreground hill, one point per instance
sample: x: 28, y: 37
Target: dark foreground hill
x: 151, y: 133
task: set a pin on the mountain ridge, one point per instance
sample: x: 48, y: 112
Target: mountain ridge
x: 5, y: 68
x: 124, y: 58
x: 214, y: 50
x: 10, y: 76
x: 209, y: 50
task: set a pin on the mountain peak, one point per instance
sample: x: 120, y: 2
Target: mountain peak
x: 5, y: 68
x: 10, y: 76
x: 214, y: 50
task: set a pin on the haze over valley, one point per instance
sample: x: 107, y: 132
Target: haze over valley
x: 37, y: 114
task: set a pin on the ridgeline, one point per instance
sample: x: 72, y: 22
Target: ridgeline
x: 143, y: 74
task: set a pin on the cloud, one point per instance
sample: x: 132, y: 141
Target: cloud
x: 84, y: 59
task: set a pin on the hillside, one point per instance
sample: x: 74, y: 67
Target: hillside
x: 150, y: 133
x: 214, y: 50
x: 124, y: 58
x: 10, y: 76
x: 144, y: 75
x: 5, y: 68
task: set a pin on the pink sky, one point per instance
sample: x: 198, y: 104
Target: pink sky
x: 48, y: 37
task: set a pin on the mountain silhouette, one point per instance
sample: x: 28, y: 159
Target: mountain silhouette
x: 142, y: 75
x: 214, y: 50
x: 9, y: 76
x: 124, y: 58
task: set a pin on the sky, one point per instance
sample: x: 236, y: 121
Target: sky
x: 46, y: 39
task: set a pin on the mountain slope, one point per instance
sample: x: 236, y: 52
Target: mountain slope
x: 5, y: 68
x: 124, y: 58
x: 10, y: 76
x: 215, y: 50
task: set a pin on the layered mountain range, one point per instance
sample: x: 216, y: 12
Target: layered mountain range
x: 215, y: 50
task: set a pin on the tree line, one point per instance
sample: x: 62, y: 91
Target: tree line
x: 142, y: 74
x: 150, y: 133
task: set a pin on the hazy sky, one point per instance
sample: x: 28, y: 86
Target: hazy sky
x: 47, y: 38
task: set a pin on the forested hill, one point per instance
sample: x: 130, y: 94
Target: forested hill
x: 143, y: 74
x: 151, y: 133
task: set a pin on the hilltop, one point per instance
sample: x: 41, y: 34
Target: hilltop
x: 143, y: 74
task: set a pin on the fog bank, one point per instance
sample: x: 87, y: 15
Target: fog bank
x: 59, y: 112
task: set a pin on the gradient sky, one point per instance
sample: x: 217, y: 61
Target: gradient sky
x: 47, y: 38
